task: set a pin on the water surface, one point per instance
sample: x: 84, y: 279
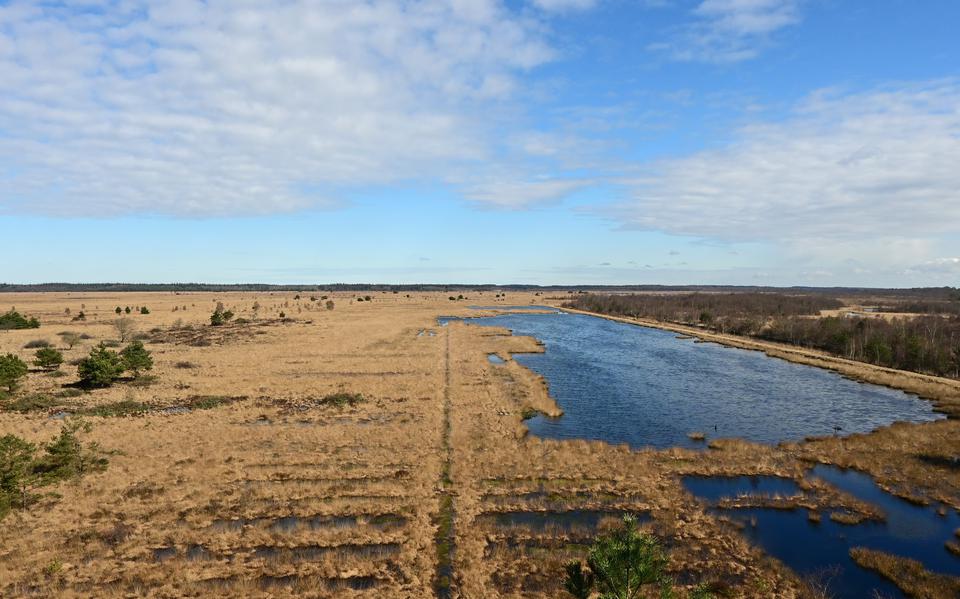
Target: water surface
x: 622, y: 383
x: 820, y: 551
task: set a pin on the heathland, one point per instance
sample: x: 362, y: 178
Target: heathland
x: 341, y: 443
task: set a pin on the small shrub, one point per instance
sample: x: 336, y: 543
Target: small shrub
x: 127, y: 310
x: 12, y: 369
x: 144, y: 310
x: 183, y: 364
x: 220, y: 315
x: 79, y: 317
x: 329, y: 305
x: 36, y: 343
x: 101, y: 368
x: 15, y: 320
x: 136, y: 358
x: 16, y: 476
x: 119, y: 310
x: 66, y: 457
x: 620, y: 564
x: 48, y: 358
x: 283, y: 315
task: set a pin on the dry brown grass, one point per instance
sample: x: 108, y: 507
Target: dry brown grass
x: 200, y: 503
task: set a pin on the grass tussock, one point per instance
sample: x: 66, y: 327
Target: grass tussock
x: 909, y: 575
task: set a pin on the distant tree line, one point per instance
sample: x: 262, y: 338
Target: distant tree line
x: 741, y: 313
x: 925, y: 307
x: 928, y: 344
x: 932, y: 293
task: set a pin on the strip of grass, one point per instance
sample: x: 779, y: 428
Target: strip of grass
x: 341, y: 399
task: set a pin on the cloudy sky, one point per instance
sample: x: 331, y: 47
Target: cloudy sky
x: 780, y: 142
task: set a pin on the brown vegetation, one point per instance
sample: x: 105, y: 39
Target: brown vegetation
x: 343, y: 454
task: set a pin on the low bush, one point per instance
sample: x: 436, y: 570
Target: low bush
x: 220, y: 316
x: 36, y: 343
x: 12, y: 369
x: 15, y: 320
x: 22, y: 470
x: 621, y: 564
x: 101, y: 368
x: 48, y: 358
x: 136, y: 358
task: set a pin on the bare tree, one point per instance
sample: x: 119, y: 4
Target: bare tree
x: 125, y: 328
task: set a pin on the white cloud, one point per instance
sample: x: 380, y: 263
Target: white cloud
x: 564, y: 5
x: 514, y: 192
x: 871, y: 175
x: 731, y: 30
x: 230, y: 106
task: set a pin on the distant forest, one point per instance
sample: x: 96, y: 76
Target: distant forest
x: 928, y: 344
x: 920, y: 293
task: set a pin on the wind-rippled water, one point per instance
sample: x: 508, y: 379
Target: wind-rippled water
x: 623, y: 383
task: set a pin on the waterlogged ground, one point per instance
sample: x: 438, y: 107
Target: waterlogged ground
x: 819, y: 548
x: 627, y: 384
x: 431, y: 486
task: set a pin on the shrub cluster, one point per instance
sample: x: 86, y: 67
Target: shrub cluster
x: 22, y: 470
x: 104, y: 366
x: 220, y: 315
x: 12, y: 369
x: 15, y: 320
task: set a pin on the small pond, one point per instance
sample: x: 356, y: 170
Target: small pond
x: 819, y: 551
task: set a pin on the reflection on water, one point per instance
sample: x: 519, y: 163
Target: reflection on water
x: 627, y: 384
x: 820, y: 551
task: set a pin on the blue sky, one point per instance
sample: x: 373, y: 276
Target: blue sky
x: 780, y: 142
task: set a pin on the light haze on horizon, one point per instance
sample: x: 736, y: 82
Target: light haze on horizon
x: 749, y: 142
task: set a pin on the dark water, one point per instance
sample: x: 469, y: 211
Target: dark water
x: 913, y: 531
x: 715, y: 488
x: 566, y: 521
x: 622, y: 383
x: 820, y: 551
x: 528, y: 307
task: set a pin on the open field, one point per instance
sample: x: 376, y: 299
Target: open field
x: 234, y: 479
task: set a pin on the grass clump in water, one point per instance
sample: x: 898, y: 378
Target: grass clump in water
x: 208, y: 402
x: 32, y: 403
x: 341, y: 399
x: 126, y: 407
